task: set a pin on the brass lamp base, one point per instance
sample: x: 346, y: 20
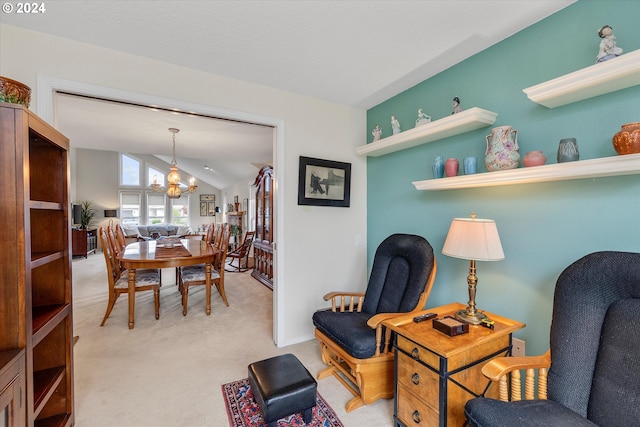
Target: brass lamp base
x: 474, y: 318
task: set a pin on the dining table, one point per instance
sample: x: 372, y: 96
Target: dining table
x: 166, y: 253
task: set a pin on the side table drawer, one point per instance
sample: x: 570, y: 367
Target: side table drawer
x: 413, y: 412
x: 418, y: 379
x: 418, y: 352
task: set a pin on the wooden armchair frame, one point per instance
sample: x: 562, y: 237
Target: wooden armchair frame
x: 367, y: 379
x: 507, y: 372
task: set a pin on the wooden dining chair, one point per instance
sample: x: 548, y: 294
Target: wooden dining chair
x: 118, y: 245
x: 120, y: 236
x: 196, y: 275
x: 210, y: 233
x: 146, y: 279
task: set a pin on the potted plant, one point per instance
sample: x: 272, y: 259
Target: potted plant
x: 234, y: 230
x: 86, y: 214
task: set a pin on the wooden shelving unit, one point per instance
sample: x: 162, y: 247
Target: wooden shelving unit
x: 235, y: 218
x: 604, y: 77
x: 35, y: 317
x: 455, y: 124
x: 606, y: 166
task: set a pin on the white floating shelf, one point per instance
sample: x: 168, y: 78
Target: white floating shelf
x: 464, y: 121
x: 628, y: 164
x: 598, y: 79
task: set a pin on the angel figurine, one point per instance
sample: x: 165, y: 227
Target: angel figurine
x: 377, y: 133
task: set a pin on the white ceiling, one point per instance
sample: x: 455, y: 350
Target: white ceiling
x: 356, y: 53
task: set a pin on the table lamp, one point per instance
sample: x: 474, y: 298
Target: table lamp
x: 476, y: 240
x: 110, y: 213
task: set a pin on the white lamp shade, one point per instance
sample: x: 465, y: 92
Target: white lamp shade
x: 473, y: 239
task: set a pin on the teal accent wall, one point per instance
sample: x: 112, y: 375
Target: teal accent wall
x: 544, y: 227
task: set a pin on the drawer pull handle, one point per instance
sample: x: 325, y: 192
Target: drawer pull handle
x: 415, y: 354
x: 416, y: 417
x: 415, y: 378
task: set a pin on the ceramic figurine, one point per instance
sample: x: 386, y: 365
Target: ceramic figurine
x: 608, y: 48
x: 377, y: 133
x: 395, y: 125
x: 456, y: 105
x: 422, y: 119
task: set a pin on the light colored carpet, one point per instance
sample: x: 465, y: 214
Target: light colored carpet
x: 168, y: 372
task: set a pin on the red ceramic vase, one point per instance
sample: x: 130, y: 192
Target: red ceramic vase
x: 451, y: 167
x: 534, y: 158
x: 627, y: 141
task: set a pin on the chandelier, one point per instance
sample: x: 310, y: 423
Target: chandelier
x: 174, y: 191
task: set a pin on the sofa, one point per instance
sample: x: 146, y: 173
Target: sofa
x: 151, y: 232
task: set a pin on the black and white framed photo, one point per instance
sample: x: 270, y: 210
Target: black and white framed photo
x: 203, y: 208
x: 212, y: 208
x: 324, y: 182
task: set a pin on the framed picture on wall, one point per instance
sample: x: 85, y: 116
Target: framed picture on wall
x: 203, y: 208
x: 324, y: 182
x: 207, y: 197
x: 211, y: 206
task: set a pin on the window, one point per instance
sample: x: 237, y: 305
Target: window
x: 180, y: 210
x: 129, y: 208
x: 141, y: 206
x: 129, y: 171
x: 156, y: 206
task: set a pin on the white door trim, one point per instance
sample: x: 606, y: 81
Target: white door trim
x: 45, y: 108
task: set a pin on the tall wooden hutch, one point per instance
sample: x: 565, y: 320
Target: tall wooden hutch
x: 36, y: 350
x: 263, y: 242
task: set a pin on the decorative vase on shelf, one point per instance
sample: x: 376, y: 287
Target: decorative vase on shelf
x: 502, y: 149
x: 627, y: 140
x: 438, y: 167
x: 451, y: 167
x: 14, y: 92
x: 534, y: 158
x: 568, y: 150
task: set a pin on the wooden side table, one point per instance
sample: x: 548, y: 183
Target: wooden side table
x: 436, y: 374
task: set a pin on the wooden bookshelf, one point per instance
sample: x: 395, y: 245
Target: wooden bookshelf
x: 35, y: 299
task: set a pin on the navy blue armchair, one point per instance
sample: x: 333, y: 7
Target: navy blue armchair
x: 594, y: 377
x: 351, y: 333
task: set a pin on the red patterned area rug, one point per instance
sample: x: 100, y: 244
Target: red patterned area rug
x: 243, y: 411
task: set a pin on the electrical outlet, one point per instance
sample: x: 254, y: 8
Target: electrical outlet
x: 518, y: 347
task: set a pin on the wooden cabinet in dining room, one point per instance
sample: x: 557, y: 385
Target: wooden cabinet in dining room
x: 35, y: 273
x: 83, y: 241
x: 263, y: 242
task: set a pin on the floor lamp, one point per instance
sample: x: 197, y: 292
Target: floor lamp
x: 111, y: 213
x: 476, y: 240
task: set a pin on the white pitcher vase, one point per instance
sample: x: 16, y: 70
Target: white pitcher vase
x: 502, y: 149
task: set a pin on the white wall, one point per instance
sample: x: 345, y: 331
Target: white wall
x: 310, y: 239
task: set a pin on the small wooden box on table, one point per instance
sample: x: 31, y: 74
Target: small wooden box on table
x: 437, y: 374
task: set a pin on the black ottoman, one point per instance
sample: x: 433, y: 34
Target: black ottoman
x: 282, y: 386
